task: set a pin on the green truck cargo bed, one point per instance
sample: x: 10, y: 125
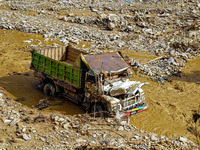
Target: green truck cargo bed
x: 57, y: 63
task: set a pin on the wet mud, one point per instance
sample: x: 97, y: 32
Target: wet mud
x: 26, y: 92
x: 171, y: 107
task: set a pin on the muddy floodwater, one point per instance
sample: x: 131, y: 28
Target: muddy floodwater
x: 170, y: 106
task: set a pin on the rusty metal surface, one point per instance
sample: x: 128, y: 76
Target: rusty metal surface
x: 112, y: 62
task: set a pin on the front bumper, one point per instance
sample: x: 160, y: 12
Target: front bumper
x: 133, y: 111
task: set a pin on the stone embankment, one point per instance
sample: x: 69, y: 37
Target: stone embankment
x: 27, y: 128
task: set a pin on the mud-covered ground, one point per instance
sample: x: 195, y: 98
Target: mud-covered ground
x: 174, y: 34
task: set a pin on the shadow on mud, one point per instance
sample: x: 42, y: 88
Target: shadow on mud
x: 24, y: 87
x: 195, y: 128
x: 187, y: 77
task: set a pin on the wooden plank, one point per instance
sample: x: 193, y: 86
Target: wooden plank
x: 45, y: 52
x: 48, y: 53
x: 51, y: 53
x: 56, y: 52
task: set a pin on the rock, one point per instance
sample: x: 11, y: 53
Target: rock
x: 162, y: 137
x: 121, y: 128
x: 55, y: 118
x: 66, y: 126
x: 1, y: 95
x: 64, y: 142
x: 45, y: 35
x: 65, y: 18
x: 26, y: 137
x: 23, y: 129
x: 111, y: 26
x: 109, y: 120
x: 28, y: 41
x: 60, y: 17
x: 76, y: 126
x: 102, y: 16
x: 17, y: 140
x: 104, y: 142
x: 93, y: 10
x: 80, y: 141
x: 172, y: 52
x: 70, y: 14
x: 111, y: 143
x: 93, y: 142
x: 94, y: 135
x: 163, y: 45
x: 149, y: 31
x: 55, y: 128
x: 60, y: 119
x: 42, y: 139
x: 123, y: 123
x: 33, y: 130
x: 113, y: 17
x: 182, y: 139
x: 154, y: 138
x: 146, y: 137
x: 14, y: 122
x: 7, y: 121
x: 121, y: 44
x: 2, y: 140
x: 137, y: 137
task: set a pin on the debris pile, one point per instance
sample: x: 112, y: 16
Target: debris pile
x: 58, y: 131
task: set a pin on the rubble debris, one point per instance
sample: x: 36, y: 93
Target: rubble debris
x: 71, y: 131
x: 42, y: 104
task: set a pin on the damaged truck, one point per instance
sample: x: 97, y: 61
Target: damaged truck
x: 100, y: 82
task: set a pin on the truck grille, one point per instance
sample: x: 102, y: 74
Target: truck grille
x: 131, y: 101
x: 128, y: 103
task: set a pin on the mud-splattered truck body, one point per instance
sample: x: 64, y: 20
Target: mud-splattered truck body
x: 100, y: 82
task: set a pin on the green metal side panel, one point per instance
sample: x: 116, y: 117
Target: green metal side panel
x: 83, y: 79
x: 56, y: 69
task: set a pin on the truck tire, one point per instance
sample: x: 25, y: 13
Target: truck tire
x: 81, y: 98
x: 97, y: 109
x: 49, y: 90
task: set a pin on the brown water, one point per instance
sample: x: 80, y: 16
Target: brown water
x: 170, y: 106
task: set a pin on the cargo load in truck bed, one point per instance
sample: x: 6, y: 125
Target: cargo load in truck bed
x: 64, y: 54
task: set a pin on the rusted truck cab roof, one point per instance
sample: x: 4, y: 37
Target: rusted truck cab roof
x: 107, y: 63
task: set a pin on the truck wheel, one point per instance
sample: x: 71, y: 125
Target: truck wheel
x: 98, y: 110
x: 81, y: 98
x: 49, y: 90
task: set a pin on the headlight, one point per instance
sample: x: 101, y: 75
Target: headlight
x: 117, y: 92
x: 142, y: 97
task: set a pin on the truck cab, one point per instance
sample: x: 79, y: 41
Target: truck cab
x: 108, y: 85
